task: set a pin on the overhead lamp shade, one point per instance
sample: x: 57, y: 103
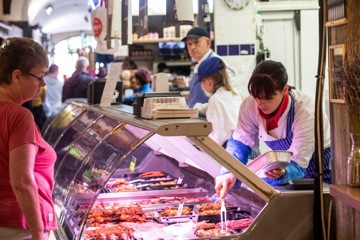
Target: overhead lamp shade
x: 49, y: 9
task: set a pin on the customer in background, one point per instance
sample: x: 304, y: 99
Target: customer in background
x: 26, y: 159
x: 129, y: 64
x: 198, y: 44
x: 38, y: 109
x: 163, y: 68
x: 284, y: 119
x: 224, y: 101
x: 53, y: 91
x: 129, y: 68
x: 77, y: 85
x: 143, y: 78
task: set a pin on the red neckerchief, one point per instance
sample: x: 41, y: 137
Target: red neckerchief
x: 273, y: 118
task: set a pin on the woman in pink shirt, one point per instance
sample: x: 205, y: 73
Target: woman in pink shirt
x: 26, y: 160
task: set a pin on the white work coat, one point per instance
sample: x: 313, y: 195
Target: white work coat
x: 223, y: 111
x: 251, y: 127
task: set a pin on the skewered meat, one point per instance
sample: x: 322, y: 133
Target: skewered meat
x: 110, y: 232
x: 152, y: 174
x: 116, y: 183
x: 116, y: 214
x: 215, y: 232
x: 163, y: 183
x: 124, y: 188
x: 172, y: 211
x: 238, y: 224
x: 209, y: 208
x: 205, y: 225
x: 151, y: 214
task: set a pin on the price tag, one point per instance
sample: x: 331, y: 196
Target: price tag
x: 180, y: 179
x: 132, y: 163
x: 110, y: 84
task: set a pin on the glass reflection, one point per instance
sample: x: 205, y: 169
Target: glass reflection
x: 98, y: 166
x: 62, y: 120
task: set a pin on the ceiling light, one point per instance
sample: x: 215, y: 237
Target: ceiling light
x: 49, y: 9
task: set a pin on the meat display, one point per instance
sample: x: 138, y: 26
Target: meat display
x: 115, y: 214
x: 136, y: 217
x: 142, y: 202
x: 154, y: 180
x: 110, y: 232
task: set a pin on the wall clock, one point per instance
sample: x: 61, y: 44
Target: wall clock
x: 237, y: 4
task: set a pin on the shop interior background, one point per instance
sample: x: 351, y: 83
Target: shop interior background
x: 289, y: 32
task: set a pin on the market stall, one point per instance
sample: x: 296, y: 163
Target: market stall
x: 118, y: 175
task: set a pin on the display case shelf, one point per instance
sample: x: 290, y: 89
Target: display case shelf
x: 349, y: 195
x: 157, y: 40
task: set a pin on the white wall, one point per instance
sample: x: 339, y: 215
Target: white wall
x: 237, y: 28
x: 297, y: 49
x: 309, y: 49
x: 282, y: 39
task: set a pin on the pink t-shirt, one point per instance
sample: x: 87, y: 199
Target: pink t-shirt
x: 17, y: 128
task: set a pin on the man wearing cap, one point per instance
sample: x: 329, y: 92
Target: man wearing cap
x: 198, y: 43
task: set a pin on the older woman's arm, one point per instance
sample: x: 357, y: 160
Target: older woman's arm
x: 22, y: 160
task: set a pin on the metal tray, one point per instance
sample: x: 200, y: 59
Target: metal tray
x: 151, y: 187
x: 269, y: 161
x: 302, y: 184
x: 141, y: 195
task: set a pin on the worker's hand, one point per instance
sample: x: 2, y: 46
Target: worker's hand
x: 224, y: 183
x: 275, y: 173
x: 202, y: 107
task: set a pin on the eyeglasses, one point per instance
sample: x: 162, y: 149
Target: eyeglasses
x: 38, y: 78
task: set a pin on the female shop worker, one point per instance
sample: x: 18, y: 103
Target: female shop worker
x: 284, y: 119
x: 26, y: 160
x: 222, y: 110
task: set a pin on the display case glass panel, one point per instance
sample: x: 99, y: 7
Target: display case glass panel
x: 115, y: 149
x: 61, y: 121
x: 72, y: 132
x: 77, y: 152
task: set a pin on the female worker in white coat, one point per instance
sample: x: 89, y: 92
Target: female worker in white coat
x: 224, y: 101
x: 284, y: 119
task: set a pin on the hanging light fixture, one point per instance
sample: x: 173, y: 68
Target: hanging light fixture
x: 49, y: 9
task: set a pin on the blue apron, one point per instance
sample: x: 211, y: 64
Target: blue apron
x: 197, y: 95
x: 285, y: 143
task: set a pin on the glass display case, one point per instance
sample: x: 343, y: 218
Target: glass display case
x: 122, y: 177
x: 61, y: 121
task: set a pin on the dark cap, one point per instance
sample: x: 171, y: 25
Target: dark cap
x: 196, y: 32
x: 143, y: 75
x: 210, y: 66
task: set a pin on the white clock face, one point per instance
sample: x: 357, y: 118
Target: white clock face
x: 237, y: 4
